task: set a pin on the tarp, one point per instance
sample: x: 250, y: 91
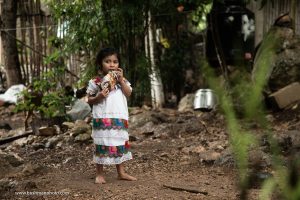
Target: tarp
x: 11, y: 95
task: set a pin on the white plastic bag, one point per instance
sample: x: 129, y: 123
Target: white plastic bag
x: 11, y: 95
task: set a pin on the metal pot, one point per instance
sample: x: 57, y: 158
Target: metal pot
x: 205, y: 100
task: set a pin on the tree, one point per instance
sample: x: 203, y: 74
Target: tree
x: 157, y: 95
x: 96, y: 23
x: 123, y: 24
x: 8, y: 37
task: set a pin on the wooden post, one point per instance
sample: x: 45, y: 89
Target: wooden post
x: 38, y: 42
x: 31, y: 41
x: 294, y: 14
x: 259, y: 25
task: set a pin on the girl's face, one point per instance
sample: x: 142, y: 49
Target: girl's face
x: 110, y: 63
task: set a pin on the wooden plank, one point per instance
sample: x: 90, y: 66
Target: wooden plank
x: 44, y: 40
x: 13, y: 138
x: 285, y: 96
x: 31, y: 40
x: 181, y: 187
x: 20, y: 48
x: 37, y: 22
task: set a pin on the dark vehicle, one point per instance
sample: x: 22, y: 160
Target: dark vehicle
x: 230, y: 34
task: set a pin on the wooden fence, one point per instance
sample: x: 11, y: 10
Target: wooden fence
x: 34, y: 28
x: 265, y: 17
x: 272, y: 11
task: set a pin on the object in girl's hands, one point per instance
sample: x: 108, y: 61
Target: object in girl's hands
x: 114, y: 74
x: 109, y: 80
x: 105, y: 84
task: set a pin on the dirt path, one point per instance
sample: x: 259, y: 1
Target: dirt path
x: 172, y: 160
x: 71, y: 172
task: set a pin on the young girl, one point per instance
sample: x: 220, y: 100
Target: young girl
x: 110, y: 115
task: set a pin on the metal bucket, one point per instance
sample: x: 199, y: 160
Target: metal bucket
x: 205, y: 100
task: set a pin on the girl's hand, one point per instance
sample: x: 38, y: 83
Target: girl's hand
x: 103, y: 94
x: 125, y: 88
x: 120, y: 74
x: 98, y: 98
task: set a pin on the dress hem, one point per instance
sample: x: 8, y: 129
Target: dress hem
x: 112, y: 160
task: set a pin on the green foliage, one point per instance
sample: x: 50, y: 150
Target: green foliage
x: 142, y: 83
x: 81, y: 21
x: 53, y: 98
x: 198, y: 18
x: 25, y: 102
x: 92, y: 24
x: 174, y: 62
x: 242, y: 140
x: 83, y: 26
x: 53, y: 104
x: 263, y: 67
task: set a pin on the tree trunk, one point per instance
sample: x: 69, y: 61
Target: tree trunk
x: 157, y: 94
x: 8, y: 37
x: 294, y: 14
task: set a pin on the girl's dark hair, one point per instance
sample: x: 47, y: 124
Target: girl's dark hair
x: 104, y: 53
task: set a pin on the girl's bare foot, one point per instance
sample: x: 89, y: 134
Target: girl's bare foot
x: 126, y: 177
x: 100, y: 180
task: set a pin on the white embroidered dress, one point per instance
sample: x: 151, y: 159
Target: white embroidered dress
x: 110, y: 124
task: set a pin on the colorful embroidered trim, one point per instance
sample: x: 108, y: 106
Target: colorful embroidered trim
x: 97, y: 80
x: 111, y: 78
x: 112, y: 151
x: 110, y: 123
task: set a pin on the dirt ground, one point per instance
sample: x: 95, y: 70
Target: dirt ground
x: 159, y: 164
x: 76, y: 177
